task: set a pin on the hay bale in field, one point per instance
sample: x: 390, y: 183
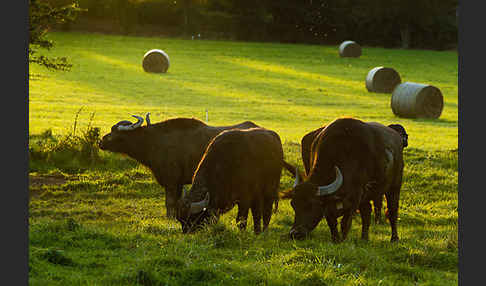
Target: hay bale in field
x: 349, y: 49
x: 156, y: 61
x: 382, y: 79
x: 415, y: 100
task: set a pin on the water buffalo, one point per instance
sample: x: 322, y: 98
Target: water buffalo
x: 345, y: 157
x: 306, y: 143
x: 239, y: 167
x: 171, y: 149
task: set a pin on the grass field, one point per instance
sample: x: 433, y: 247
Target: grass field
x: 104, y: 223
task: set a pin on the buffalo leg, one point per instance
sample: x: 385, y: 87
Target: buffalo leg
x: 346, y: 222
x: 377, y: 206
x: 332, y: 223
x: 267, y: 212
x: 172, y: 195
x: 242, y: 216
x: 374, y: 189
x: 365, y: 212
x: 256, y: 212
x: 392, y: 198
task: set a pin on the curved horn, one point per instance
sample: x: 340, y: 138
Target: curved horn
x: 147, y: 118
x: 132, y: 126
x: 200, y: 206
x: 297, y: 177
x: 139, y: 122
x: 124, y: 122
x: 332, y: 187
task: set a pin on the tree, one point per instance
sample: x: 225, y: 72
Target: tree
x: 428, y: 23
x: 189, y: 9
x: 42, y: 17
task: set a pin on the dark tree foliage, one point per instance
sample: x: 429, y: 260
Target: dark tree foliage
x: 417, y: 23
x: 287, y: 18
x: 430, y: 24
x: 42, y: 17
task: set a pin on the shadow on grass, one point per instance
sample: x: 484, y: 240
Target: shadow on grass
x: 436, y: 121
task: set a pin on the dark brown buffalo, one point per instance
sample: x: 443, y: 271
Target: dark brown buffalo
x: 239, y: 167
x: 345, y: 157
x: 306, y: 143
x: 170, y: 149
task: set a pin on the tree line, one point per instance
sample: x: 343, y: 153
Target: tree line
x: 422, y: 24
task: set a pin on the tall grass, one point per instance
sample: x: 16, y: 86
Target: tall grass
x: 69, y: 152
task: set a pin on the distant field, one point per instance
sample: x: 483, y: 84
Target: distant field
x: 291, y: 89
x: 106, y: 226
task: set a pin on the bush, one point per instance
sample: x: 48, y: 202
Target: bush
x: 70, y: 152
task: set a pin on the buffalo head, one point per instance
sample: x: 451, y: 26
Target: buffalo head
x: 192, y: 215
x: 311, y: 203
x: 117, y: 140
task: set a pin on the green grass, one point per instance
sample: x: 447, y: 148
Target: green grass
x: 106, y: 224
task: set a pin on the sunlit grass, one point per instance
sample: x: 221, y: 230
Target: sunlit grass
x: 279, y: 69
x: 267, y: 83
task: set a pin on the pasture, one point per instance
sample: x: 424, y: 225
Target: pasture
x: 103, y: 222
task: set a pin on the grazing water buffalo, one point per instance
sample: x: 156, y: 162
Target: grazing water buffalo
x: 239, y: 167
x: 345, y: 157
x: 170, y: 149
x: 306, y: 144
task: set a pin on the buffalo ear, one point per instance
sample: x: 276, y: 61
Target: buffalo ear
x: 287, y: 194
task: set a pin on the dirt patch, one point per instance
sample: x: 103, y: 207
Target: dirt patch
x: 40, y: 180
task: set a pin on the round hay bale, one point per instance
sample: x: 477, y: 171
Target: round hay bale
x: 350, y: 49
x: 415, y: 100
x: 156, y: 61
x: 382, y: 79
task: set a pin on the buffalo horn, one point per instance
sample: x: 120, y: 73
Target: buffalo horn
x: 200, y: 206
x: 297, y: 177
x: 147, y: 118
x: 132, y: 126
x: 124, y: 122
x: 332, y: 187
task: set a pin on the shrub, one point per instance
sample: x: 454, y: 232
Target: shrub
x: 71, y: 152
